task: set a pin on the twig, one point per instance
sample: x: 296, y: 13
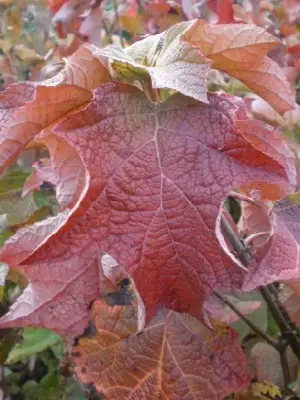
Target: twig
x: 255, y: 328
x: 242, y: 197
x: 242, y: 252
x: 254, y: 236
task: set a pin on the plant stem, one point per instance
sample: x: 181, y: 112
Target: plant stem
x: 286, y: 330
x: 255, y: 328
x: 244, y: 256
x: 285, y: 370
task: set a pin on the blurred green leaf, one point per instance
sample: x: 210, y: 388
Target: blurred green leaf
x: 18, y: 209
x: 35, y: 340
x: 14, y: 179
x: 273, y: 329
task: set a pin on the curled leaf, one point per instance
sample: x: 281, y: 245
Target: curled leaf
x: 240, y: 50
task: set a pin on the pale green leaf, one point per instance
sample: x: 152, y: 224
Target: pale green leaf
x: 161, y: 61
x: 34, y: 341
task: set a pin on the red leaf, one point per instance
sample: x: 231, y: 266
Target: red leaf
x: 175, y: 357
x: 271, y: 142
x: 57, y: 296
x: 221, y: 312
x: 279, y: 258
x: 27, y: 108
x: 150, y: 203
x: 65, y: 170
x: 223, y: 10
x: 28, y: 239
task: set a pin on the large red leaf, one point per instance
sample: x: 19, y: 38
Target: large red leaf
x: 158, y: 174
x: 175, y: 357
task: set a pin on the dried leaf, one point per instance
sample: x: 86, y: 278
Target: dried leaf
x: 240, y: 50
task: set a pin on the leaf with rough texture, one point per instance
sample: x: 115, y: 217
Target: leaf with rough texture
x: 28, y: 239
x: 175, y: 357
x: 57, y: 296
x: 27, y: 108
x: 83, y: 69
x: 161, y: 62
x: 240, y: 50
x: 156, y: 185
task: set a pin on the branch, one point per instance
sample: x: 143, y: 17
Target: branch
x: 255, y: 328
x: 285, y: 370
x: 242, y: 197
x: 254, y: 236
x: 244, y: 256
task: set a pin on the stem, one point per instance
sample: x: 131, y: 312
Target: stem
x: 242, y: 252
x: 244, y: 255
x: 285, y: 370
x: 255, y: 328
x: 254, y: 236
x: 242, y: 197
x: 286, y: 330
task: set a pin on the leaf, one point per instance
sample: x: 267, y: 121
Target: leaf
x: 65, y: 171
x: 255, y: 219
x: 57, y: 298
x: 13, y: 179
x: 174, y: 357
x: 261, y: 391
x: 223, y: 10
x: 3, y: 275
x: 240, y: 50
x: 161, y: 62
x: 28, y: 239
x: 17, y: 209
x: 268, y: 366
x: 27, y: 55
x: 27, y: 108
x: 268, y: 81
x: 34, y: 341
x: 278, y: 259
x: 223, y: 313
x: 84, y: 69
x: 148, y: 205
